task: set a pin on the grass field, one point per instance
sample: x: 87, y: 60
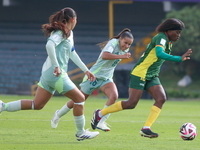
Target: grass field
x: 31, y: 130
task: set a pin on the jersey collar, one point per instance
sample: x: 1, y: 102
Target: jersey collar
x: 170, y: 42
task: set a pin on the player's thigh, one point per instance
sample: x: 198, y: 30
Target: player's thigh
x: 136, y: 87
x: 157, y: 92
x: 134, y: 96
x: 110, y: 90
x: 42, y: 97
x: 76, y: 95
x: 155, y: 89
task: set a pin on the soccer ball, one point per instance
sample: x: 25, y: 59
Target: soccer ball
x: 188, y: 131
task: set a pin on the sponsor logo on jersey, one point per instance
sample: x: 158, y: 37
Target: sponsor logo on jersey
x: 163, y: 41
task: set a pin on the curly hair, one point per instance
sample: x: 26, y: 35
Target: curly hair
x: 58, y: 20
x: 170, y: 24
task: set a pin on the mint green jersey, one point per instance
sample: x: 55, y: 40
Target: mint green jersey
x: 104, y: 69
x: 64, y: 47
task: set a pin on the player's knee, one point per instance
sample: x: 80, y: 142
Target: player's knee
x: 80, y: 100
x: 80, y: 103
x: 130, y: 104
x: 113, y: 99
x: 161, y: 100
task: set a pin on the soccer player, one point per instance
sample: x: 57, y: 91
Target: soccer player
x: 144, y: 75
x: 112, y: 52
x: 60, y: 47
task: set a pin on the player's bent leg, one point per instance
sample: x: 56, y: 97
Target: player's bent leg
x: 110, y: 90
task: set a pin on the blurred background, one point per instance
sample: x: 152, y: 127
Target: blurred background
x: 22, y: 43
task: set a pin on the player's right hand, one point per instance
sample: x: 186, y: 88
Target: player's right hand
x: 186, y: 55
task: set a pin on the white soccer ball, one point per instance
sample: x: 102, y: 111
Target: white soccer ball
x: 188, y: 131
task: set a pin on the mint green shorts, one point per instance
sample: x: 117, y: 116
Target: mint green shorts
x: 88, y: 87
x: 62, y: 85
x: 143, y: 84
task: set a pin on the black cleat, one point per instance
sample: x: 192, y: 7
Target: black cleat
x: 95, y: 119
x: 148, y: 133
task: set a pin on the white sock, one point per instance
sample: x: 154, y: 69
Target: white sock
x: 80, y: 124
x: 12, y: 106
x: 64, y: 110
x: 146, y: 127
x: 100, y: 114
x: 104, y: 118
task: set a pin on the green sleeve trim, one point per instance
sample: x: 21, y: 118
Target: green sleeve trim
x: 162, y: 55
x: 94, y: 72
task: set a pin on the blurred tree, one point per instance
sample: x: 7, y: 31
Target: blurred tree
x: 190, y: 38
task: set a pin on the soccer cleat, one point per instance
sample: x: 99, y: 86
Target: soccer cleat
x: 148, y: 133
x: 1, y: 105
x: 103, y: 126
x: 87, y: 135
x: 95, y: 119
x: 55, y: 120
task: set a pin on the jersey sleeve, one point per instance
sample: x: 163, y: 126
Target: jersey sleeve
x: 110, y: 46
x: 56, y: 37
x: 162, y: 55
x: 162, y: 42
x: 76, y: 59
x: 50, y: 47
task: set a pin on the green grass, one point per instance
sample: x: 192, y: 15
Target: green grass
x: 169, y: 81
x: 31, y: 130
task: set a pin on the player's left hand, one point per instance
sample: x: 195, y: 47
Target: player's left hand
x: 90, y: 75
x: 186, y: 55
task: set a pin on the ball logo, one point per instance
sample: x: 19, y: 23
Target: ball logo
x: 188, y: 131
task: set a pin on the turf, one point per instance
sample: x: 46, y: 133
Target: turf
x: 31, y: 130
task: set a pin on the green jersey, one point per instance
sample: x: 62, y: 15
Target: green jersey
x: 150, y: 62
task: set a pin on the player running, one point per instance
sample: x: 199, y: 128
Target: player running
x: 144, y: 75
x: 112, y: 52
x: 60, y: 47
